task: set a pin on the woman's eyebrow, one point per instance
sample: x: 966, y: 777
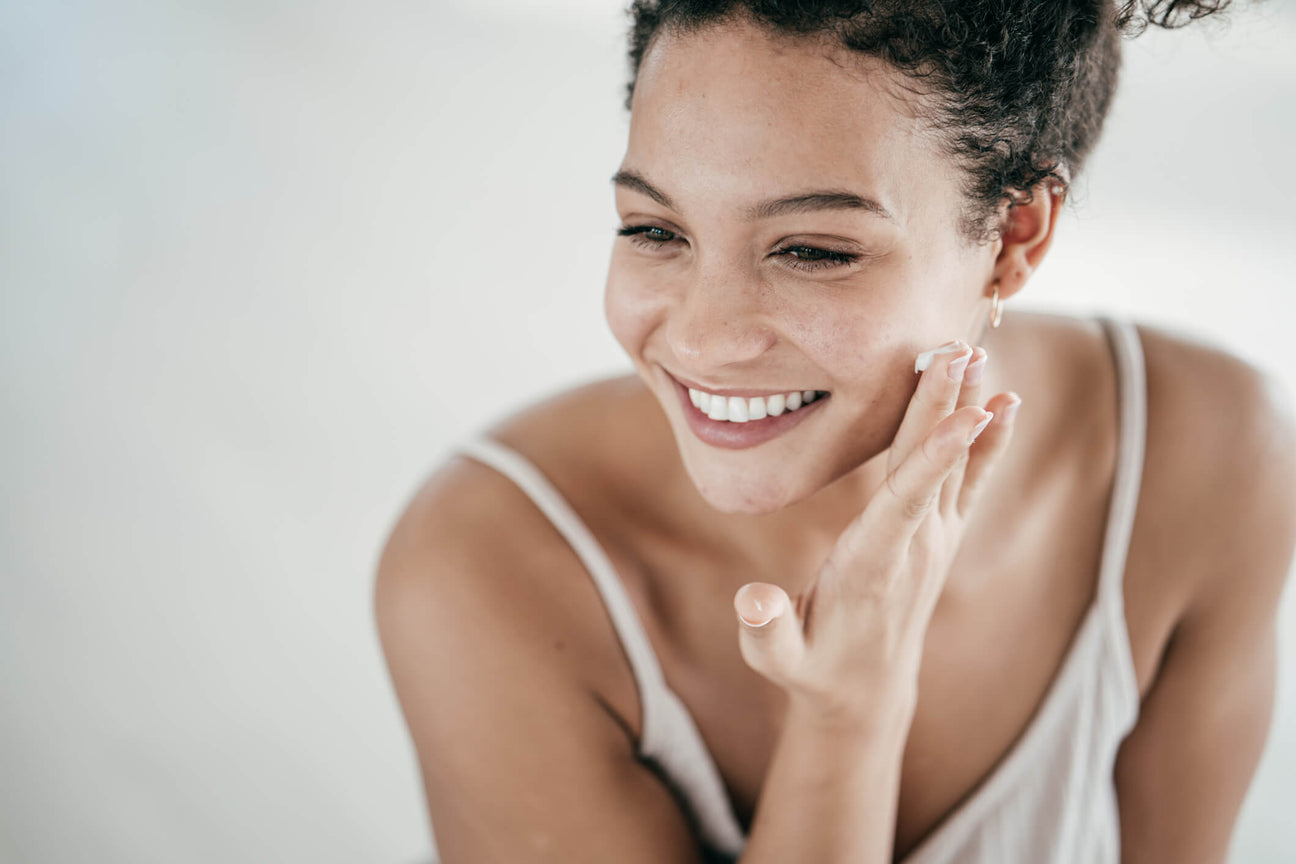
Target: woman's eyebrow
x: 819, y: 199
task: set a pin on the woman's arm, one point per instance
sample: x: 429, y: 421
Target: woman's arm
x: 521, y: 760
x: 1227, y: 443
x: 848, y: 650
x: 831, y: 791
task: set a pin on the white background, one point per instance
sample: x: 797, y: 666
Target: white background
x: 262, y: 262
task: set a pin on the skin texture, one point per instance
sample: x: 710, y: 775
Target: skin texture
x: 520, y: 704
x: 710, y: 129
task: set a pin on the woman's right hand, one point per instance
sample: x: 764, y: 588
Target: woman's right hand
x: 851, y: 645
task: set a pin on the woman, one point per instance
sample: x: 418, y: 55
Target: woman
x: 805, y: 588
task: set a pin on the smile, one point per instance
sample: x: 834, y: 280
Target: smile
x: 738, y: 422
x: 737, y: 409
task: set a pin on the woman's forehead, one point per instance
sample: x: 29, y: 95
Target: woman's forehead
x: 732, y: 106
x: 748, y: 66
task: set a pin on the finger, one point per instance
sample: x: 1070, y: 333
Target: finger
x: 893, y: 514
x: 932, y: 402
x: 988, y: 449
x: 969, y: 394
x: 770, y: 636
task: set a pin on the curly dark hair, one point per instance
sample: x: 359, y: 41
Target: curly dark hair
x: 1021, y: 87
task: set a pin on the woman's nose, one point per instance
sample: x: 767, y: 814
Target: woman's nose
x: 718, y: 322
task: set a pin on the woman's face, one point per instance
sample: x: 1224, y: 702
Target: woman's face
x: 838, y: 294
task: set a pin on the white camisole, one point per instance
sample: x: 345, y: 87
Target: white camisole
x: 1049, y: 800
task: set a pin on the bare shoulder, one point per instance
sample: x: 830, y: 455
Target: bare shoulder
x: 473, y: 559
x: 1219, y: 476
x: 1219, y: 480
x: 471, y: 545
x: 500, y: 653
x: 478, y: 542
x: 581, y: 438
x: 469, y: 510
x: 1217, y: 498
x: 1215, y: 531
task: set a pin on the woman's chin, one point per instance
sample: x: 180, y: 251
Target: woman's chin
x: 739, y: 493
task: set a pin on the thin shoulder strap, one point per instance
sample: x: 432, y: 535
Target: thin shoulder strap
x: 1131, y: 375
x: 1131, y: 380
x: 643, y: 661
x: 670, y: 736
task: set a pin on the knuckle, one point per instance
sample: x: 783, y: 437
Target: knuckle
x: 941, y: 399
x: 915, y: 508
x: 912, y: 507
x: 892, y: 488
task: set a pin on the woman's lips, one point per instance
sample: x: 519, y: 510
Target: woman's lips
x: 738, y: 436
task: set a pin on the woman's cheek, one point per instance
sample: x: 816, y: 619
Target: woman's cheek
x: 632, y: 308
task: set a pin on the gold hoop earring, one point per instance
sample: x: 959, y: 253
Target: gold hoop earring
x: 996, y: 308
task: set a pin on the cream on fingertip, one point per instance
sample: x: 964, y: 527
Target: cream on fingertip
x: 924, y: 359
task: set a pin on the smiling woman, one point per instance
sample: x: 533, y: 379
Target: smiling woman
x: 803, y: 587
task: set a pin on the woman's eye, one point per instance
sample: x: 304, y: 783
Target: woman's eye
x: 817, y: 259
x: 639, y: 235
x: 805, y: 258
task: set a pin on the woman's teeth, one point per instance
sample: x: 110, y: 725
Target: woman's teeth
x: 736, y: 409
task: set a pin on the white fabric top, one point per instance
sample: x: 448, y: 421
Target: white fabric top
x: 1050, y: 800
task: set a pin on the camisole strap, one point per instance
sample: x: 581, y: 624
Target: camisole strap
x: 1131, y: 444
x: 510, y: 463
x: 670, y: 736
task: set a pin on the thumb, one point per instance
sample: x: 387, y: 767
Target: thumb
x: 769, y: 636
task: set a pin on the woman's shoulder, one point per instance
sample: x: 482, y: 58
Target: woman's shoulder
x: 1205, y: 404
x: 481, y: 511
x: 1217, y: 426
x: 582, y: 434
x: 577, y: 438
x: 1216, y: 510
x: 607, y: 448
x: 471, y: 540
x: 1219, y: 477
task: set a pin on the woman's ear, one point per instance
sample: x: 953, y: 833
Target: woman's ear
x: 1026, y: 237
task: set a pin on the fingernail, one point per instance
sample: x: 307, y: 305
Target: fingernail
x: 759, y: 608
x: 976, y: 430
x: 956, y: 367
x: 925, y: 358
x: 1010, y: 410
x: 975, y: 369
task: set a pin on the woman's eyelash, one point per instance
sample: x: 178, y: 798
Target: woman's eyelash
x: 638, y: 235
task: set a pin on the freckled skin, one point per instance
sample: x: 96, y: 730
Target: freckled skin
x: 718, y: 129
x: 722, y: 119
